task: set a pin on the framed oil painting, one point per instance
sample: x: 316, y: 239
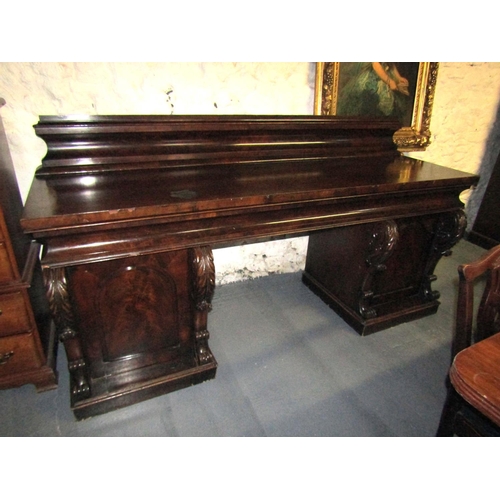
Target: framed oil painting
x: 404, y: 91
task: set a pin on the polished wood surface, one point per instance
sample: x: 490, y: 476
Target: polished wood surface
x: 475, y: 374
x: 118, y: 198
x: 472, y: 407
x: 27, y: 341
x: 278, y: 169
x: 98, y: 144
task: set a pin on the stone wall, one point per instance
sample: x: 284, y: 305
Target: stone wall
x: 464, y: 126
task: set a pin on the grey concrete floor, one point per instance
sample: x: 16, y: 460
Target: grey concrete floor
x: 288, y: 366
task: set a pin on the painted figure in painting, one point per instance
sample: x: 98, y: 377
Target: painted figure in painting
x: 374, y: 89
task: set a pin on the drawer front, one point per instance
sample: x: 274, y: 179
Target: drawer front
x: 6, y: 271
x: 14, y: 315
x: 18, y: 353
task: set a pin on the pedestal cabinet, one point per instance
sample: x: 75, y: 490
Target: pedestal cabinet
x: 27, y: 339
x: 135, y: 327
x: 379, y: 274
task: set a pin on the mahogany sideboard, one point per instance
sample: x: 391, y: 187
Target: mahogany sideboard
x: 129, y: 208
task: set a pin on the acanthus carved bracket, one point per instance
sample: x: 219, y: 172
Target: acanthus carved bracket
x: 449, y: 229
x: 384, y: 238
x: 202, y: 290
x: 60, y: 306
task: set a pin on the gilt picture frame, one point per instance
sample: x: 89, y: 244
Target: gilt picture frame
x: 401, y: 90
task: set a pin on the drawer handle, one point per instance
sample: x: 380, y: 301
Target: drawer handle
x: 5, y: 357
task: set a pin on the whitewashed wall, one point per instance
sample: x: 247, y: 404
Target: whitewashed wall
x: 465, y: 123
x: 465, y: 108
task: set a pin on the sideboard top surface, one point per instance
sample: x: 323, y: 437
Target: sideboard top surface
x: 104, y: 170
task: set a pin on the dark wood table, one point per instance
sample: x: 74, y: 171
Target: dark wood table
x: 475, y: 374
x: 129, y: 208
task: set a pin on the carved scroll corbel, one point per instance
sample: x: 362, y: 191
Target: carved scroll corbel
x: 384, y: 238
x: 60, y: 307
x: 202, y: 290
x: 448, y: 231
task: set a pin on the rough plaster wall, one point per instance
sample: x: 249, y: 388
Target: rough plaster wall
x: 465, y: 133
x: 33, y: 89
x: 261, y: 259
x: 465, y: 123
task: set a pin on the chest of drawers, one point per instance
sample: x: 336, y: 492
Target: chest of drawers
x: 27, y: 339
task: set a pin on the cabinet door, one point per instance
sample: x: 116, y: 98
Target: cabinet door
x: 133, y: 316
